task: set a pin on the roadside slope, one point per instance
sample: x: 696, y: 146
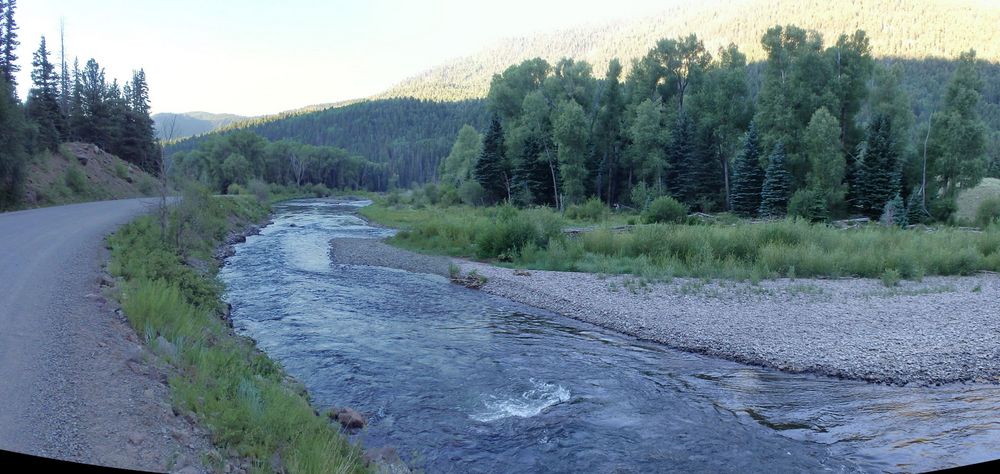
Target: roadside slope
x: 74, y: 382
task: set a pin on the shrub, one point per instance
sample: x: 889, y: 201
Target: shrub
x: 147, y: 185
x: 593, y: 210
x: 472, y: 193
x: 449, y: 195
x: 665, y: 209
x: 891, y: 277
x: 808, y: 204
x: 235, y: 189
x: 432, y: 194
x: 75, y: 180
x: 642, y: 196
x: 506, y: 235
x: 121, y: 171
x: 988, y: 212
x: 260, y: 190
x: 320, y: 190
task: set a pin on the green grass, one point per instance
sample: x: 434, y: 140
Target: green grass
x: 246, y: 400
x: 968, y: 201
x: 741, y: 251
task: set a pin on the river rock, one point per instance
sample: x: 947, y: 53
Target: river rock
x: 348, y: 418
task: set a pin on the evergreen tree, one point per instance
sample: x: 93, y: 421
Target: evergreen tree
x: 683, y: 168
x: 42, y: 105
x: 777, y: 185
x: 877, y: 178
x: 749, y: 176
x: 532, y: 175
x: 914, y: 208
x: 8, y: 43
x: 138, y: 136
x: 13, y: 155
x: 894, y: 212
x: 491, y: 169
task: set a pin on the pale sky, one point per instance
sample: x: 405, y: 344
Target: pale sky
x: 253, y: 57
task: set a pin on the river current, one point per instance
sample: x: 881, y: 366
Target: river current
x: 460, y: 381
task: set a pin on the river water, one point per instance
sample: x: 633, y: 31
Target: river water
x: 459, y: 381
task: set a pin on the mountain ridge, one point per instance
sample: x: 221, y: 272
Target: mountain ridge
x: 895, y: 29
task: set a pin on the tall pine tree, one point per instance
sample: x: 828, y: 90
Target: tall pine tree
x: 777, y: 185
x: 491, y: 170
x: 8, y: 43
x: 877, y: 173
x: 749, y: 176
x: 42, y: 105
x: 13, y: 157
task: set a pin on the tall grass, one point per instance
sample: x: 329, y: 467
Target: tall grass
x: 742, y: 251
x: 245, y: 399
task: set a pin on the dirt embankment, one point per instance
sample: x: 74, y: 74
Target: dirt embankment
x: 83, y: 172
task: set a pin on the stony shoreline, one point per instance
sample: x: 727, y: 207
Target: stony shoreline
x: 939, y: 330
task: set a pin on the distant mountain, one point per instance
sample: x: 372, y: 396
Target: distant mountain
x: 411, y: 136
x: 171, y: 126
x: 904, y: 29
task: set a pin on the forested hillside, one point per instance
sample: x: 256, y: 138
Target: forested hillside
x: 171, y: 126
x: 408, y: 136
x: 67, y: 102
x: 898, y: 28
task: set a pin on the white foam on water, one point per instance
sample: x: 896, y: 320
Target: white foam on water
x: 529, y: 403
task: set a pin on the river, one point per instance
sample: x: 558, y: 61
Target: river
x: 459, y: 381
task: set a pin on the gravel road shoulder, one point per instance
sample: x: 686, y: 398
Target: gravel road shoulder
x: 77, y: 383
x: 939, y: 330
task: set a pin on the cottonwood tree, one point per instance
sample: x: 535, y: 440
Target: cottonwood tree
x: 957, y: 140
x: 457, y: 166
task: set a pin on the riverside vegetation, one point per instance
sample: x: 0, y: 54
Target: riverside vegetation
x: 245, y: 399
x: 727, y: 248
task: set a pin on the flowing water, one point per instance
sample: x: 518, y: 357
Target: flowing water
x: 459, y: 381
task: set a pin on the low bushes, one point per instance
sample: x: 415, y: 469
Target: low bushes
x: 665, y: 209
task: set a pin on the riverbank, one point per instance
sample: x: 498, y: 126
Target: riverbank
x: 259, y: 418
x: 938, y: 330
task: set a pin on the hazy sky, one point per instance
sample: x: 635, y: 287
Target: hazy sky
x: 255, y: 57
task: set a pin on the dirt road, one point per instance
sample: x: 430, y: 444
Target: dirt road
x: 74, y: 382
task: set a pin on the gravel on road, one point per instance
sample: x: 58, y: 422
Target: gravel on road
x: 77, y: 383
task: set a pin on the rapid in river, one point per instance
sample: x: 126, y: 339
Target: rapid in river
x: 459, y: 381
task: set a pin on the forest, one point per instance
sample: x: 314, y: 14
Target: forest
x: 830, y: 133
x: 407, y: 136
x: 231, y: 162
x: 63, y: 105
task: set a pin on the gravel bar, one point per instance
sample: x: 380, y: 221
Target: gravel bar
x: 939, y: 330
